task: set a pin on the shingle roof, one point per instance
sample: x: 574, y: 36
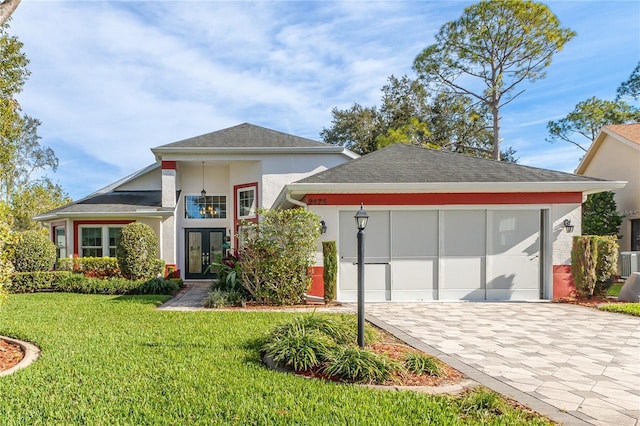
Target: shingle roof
x: 246, y: 136
x: 628, y: 131
x: 401, y: 163
x: 114, y: 202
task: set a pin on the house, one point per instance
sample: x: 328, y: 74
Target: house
x: 443, y: 226
x: 615, y: 155
x: 193, y: 196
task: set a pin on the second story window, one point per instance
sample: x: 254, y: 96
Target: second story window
x: 207, y: 207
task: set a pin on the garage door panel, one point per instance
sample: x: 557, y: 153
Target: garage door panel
x: 376, y: 279
x: 502, y: 295
x: 376, y: 237
x: 514, y: 232
x: 413, y: 274
x: 415, y: 234
x: 462, y: 273
x: 471, y: 295
x: 512, y: 272
x: 463, y: 233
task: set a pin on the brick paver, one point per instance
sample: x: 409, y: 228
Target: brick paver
x: 576, y: 365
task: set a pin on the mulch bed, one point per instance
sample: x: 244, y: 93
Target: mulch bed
x: 593, y: 302
x: 10, y: 354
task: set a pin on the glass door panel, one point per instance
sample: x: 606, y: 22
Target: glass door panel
x: 204, y: 246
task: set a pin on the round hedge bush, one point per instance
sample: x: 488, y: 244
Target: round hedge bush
x: 137, y: 252
x: 33, y: 252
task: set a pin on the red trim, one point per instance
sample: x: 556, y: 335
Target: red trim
x: 169, y: 165
x: 52, y: 229
x: 563, y: 284
x: 76, y: 226
x: 317, y: 282
x: 438, y: 199
x: 236, y: 220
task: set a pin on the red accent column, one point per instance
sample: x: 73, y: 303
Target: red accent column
x: 563, y: 284
x: 317, y: 282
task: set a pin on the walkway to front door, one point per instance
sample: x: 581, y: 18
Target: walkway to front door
x: 574, y: 364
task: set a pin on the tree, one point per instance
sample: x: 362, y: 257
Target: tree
x: 23, y: 160
x: 490, y: 50
x: 7, y: 7
x: 600, y: 215
x: 588, y: 117
x: 35, y: 198
x: 356, y: 128
x: 631, y: 87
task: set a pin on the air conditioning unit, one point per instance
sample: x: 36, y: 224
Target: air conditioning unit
x: 629, y: 262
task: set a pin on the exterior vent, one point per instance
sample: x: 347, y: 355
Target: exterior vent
x: 629, y: 263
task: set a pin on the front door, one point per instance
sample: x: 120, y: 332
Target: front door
x: 203, y: 247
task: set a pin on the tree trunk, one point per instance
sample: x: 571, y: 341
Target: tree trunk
x: 6, y: 9
x: 496, y: 132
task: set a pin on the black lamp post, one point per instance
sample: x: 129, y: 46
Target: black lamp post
x: 361, y: 221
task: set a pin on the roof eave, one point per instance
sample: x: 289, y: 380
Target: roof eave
x: 329, y: 149
x: 132, y: 213
x: 301, y: 189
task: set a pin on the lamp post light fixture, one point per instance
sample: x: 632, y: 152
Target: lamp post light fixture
x: 323, y: 227
x: 361, y: 222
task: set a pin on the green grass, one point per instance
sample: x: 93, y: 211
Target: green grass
x: 624, y: 308
x: 614, y: 290
x: 116, y: 360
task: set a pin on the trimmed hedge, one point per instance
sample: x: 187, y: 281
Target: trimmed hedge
x: 594, y: 259
x: 33, y: 251
x: 31, y: 282
x: 66, y: 281
x: 137, y: 252
x: 96, y: 267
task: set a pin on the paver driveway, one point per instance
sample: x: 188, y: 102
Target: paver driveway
x: 574, y: 364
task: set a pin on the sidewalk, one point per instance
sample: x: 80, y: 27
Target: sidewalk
x: 189, y: 299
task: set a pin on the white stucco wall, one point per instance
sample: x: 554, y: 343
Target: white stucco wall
x: 563, y: 240
x: 150, y: 181
x: 620, y: 161
x: 284, y: 169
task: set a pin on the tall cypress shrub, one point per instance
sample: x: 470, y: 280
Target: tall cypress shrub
x: 330, y: 273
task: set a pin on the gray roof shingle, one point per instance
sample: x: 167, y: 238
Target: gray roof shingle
x: 246, y: 136
x: 401, y: 163
x: 115, y: 202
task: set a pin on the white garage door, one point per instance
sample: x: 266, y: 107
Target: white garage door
x: 443, y: 255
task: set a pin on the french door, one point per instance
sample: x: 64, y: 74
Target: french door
x: 203, y: 247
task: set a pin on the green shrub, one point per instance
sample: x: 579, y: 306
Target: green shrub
x: 217, y: 298
x: 330, y: 272
x: 593, y: 262
x: 276, y: 255
x: 299, y: 348
x: 137, y: 252
x: 97, y: 267
x: 353, y: 364
x: 78, y: 283
x: 6, y: 268
x: 156, y: 286
x: 420, y: 363
x: 481, y: 402
x: 32, y: 252
x: 31, y: 282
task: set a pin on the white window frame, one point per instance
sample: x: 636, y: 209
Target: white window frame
x: 253, y: 211
x: 104, y: 235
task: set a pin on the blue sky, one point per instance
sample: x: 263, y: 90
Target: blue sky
x: 112, y: 79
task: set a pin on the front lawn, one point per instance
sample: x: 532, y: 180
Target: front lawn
x: 117, y: 360
x: 625, y: 308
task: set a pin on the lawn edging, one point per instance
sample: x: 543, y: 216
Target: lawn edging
x: 31, y: 354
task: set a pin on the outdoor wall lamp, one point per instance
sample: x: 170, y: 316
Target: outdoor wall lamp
x: 323, y: 227
x: 361, y: 222
x: 567, y: 225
